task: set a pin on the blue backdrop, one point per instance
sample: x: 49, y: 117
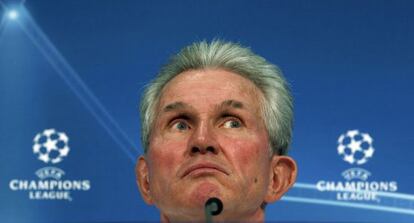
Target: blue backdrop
x: 79, y: 67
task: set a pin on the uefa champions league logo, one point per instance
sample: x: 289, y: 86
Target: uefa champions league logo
x: 355, y: 147
x: 51, y: 146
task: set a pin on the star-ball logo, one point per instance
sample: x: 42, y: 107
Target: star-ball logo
x: 50, y: 147
x: 356, y: 148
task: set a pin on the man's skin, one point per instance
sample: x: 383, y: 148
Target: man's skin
x: 209, y: 140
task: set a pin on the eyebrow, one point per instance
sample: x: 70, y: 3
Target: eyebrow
x: 176, y: 106
x: 231, y: 103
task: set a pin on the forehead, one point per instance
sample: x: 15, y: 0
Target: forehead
x: 208, y: 87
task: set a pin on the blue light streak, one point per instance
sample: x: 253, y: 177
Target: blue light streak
x: 76, y: 84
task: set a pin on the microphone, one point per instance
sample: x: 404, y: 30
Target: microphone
x: 213, y: 207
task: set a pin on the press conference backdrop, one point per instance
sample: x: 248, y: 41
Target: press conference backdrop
x: 72, y: 72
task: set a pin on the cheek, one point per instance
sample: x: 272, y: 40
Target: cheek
x: 249, y: 156
x: 245, y: 153
x: 248, y: 146
x: 164, y: 156
x: 252, y: 164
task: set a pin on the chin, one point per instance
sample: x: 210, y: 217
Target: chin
x: 201, y: 192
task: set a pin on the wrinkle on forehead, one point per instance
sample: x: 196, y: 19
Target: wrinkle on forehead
x: 238, y: 85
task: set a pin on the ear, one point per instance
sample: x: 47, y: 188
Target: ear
x: 142, y: 177
x: 282, y: 176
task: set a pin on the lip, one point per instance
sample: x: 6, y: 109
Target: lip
x: 203, y: 168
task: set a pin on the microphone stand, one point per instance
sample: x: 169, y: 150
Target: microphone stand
x: 213, y: 207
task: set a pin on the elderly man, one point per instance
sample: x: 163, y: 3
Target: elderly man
x: 216, y: 122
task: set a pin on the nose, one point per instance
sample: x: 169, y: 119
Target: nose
x: 203, y: 140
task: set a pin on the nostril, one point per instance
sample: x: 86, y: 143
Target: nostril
x: 203, y: 150
x: 195, y: 150
x: 211, y: 149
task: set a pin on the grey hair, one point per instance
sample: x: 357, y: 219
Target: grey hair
x: 277, y: 108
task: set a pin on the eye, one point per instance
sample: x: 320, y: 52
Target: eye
x: 232, y: 124
x: 180, y: 125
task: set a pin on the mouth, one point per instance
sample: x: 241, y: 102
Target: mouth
x: 204, y: 169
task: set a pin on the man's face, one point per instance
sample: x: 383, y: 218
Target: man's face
x: 208, y: 140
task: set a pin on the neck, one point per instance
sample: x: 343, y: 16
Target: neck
x: 256, y: 217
